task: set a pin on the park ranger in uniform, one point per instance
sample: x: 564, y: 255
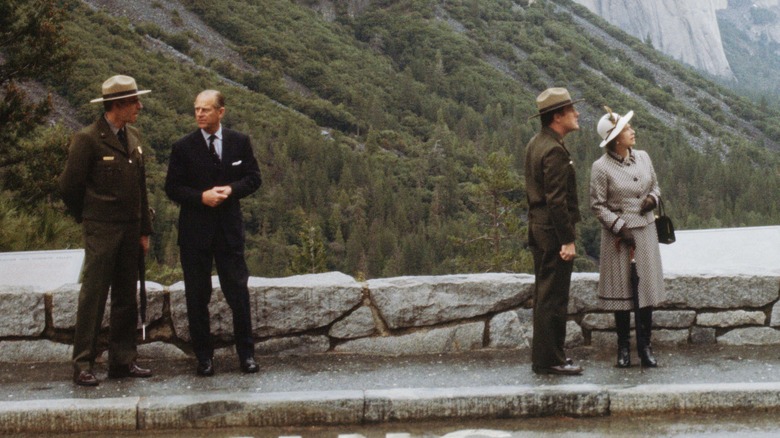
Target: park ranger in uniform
x: 553, y: 211
x: 104, y: 188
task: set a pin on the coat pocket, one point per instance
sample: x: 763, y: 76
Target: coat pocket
x: 107, y: 172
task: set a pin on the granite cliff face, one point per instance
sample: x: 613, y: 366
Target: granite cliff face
x: 759, y: 19
x: 685, y: 30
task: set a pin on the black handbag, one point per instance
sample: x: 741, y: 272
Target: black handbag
x: 664, y: 226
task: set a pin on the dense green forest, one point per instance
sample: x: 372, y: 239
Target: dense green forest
x: 390, y: 138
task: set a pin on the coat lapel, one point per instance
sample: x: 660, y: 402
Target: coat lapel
x: 108, y: 136
x: 227, y: 155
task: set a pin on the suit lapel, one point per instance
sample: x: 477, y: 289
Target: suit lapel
x: 225, y: 148
x: 200, y: 145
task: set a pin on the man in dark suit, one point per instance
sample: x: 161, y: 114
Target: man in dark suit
x: 210, y: 170
x: 104, y: 187
x: 553, y: 210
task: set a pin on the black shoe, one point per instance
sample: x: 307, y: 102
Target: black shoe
x: 205, y: 368
x: 131, y: 370
x: 623, y: 357
x: 249, y: 365
x: 85, y: 378
x: 563, y: 370
x: 646, y: 357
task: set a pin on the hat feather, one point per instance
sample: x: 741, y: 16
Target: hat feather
x: 611, y: 114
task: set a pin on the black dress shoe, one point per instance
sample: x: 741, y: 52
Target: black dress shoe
x: 563, y: 370
x: 249, y: 366
x: 623, y: 357
x: 85, y: 378
x: 132, y: 370
x: 205, y: 368
x: 647, y: 358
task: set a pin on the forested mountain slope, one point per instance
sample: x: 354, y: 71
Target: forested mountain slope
x: 390, y: 133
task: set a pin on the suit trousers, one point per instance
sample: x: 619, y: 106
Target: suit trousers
x: 111, y: 251
x: 233, y: 278
x: 551, y: 297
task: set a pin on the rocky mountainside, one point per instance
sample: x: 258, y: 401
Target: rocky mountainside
x: 758, y: 19
x: 391, y: 133
x: 735, y: 41
x: 687, y: 31
x: 751, y: 38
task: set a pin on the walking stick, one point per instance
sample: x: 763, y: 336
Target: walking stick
x: 640, y: 328
x: 634, y: 282
x: 142, y: 291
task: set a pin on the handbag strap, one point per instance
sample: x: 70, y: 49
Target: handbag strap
x: 660, y: 207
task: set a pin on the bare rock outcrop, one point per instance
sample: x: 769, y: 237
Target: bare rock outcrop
x: 687, y: 31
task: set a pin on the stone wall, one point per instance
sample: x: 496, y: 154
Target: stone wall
x: 334, y: 313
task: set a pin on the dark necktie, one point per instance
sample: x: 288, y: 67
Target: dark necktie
x: 213, y: 150
x: 122, y: 135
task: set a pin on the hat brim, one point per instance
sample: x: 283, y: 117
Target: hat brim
x: 555, y: 107
x: 618, y: 128
x: 124, y: 96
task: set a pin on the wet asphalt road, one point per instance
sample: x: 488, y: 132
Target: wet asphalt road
x: 692, y: 364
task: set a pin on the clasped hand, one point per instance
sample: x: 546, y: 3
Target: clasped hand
x: 216, y: 195
x: 568, y: 252
x: 625, y: 236
x: 647, y: 204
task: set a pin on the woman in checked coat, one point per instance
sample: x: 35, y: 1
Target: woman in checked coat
x: 623, y: 193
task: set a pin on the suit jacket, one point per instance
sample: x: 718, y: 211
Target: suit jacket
x: 191, y: 171
x: 617, y: 189
x: 102, y: 180
x: 551, y: 185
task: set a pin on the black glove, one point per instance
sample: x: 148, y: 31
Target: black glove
x: 627, y: 237
x: 647, y: 205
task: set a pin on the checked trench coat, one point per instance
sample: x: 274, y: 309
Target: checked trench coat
x: 617, y: 189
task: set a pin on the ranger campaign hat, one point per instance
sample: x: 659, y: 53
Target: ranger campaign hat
x: 552, y: 99
x: 119, y: 87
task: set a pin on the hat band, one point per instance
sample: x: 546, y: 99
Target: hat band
x: 554, y: 106
x: 609, y: 131
x: 119, y: 94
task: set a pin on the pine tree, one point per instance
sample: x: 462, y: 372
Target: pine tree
x: 311, y: 256
x: 32, y: 46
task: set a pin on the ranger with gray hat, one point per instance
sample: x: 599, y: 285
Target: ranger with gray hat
x: 553, y: 210
x: 104, y: 188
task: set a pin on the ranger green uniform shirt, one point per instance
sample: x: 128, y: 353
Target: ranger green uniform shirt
x: 102, y: 180
x: 551, y: 185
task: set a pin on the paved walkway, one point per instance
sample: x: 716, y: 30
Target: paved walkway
x: 346, y: 389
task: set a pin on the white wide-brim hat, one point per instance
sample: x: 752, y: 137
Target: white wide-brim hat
x: 611, y: 124
x: 119, y: 87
